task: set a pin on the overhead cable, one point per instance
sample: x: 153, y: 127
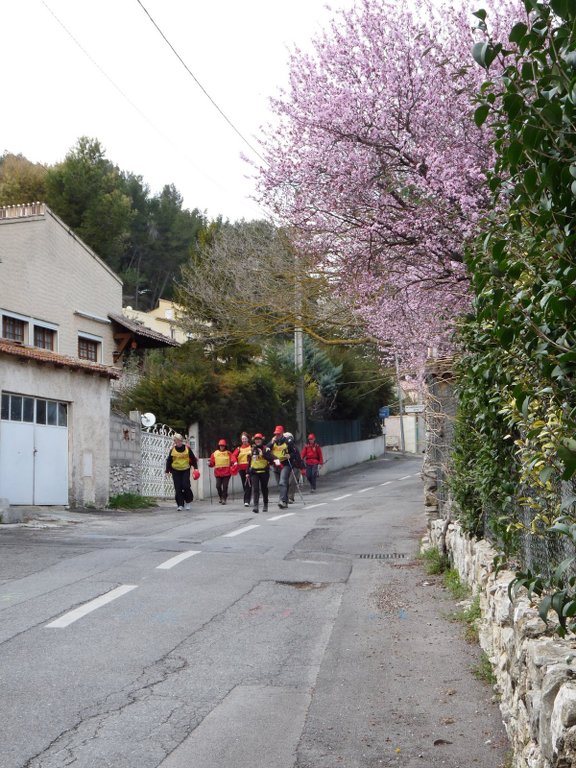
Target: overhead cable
x: 199, y: 84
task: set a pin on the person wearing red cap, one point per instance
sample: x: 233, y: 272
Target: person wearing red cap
x: 240, y: 459
x: 221, y: 460
x: 259, y: 461
x: 312, y: 456
x: 285, y: 459
x: 178, y: 463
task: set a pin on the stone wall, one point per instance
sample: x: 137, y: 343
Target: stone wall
x: 536, y: 673
x: 125, y: 455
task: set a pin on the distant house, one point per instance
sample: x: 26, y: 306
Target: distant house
x: 165, y: 319
x: 61, y: 343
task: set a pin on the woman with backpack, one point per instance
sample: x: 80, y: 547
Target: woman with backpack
x: 312, y: 456
x: 259, y: 462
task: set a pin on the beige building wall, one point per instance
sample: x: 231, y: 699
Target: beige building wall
x: 48, y: 274
x: 88, y: 396
x: 163, y: 318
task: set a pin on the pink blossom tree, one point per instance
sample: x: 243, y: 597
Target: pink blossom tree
x: 377, y: 164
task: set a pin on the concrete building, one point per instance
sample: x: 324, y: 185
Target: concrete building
x: 57, y: 358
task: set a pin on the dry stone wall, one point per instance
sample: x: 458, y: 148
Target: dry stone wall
x: 536, y: 673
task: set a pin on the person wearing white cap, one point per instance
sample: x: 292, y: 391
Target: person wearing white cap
x: 179, y: 462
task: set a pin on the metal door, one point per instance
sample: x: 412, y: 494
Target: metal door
x: 33, y: 450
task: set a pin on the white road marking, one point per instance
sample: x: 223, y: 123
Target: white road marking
x: 82, y: 610
x: 366, y: 489
x: 279, y: 517
x: 386, y: 483
x: 406, y: 477
x: 165, y: 566
x: 241, y: 530
x: 320, y: 504
x: 339, y: 498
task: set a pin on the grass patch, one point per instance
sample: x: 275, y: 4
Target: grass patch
x: 434, y: 562
x: 454, y: 585
x: 131, y: 501
x: 483, y: 670
x: 469, y: 616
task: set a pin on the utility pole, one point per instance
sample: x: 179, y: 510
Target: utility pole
x: 299, y: 357
x: 400, y: 404
x: 300, y: 399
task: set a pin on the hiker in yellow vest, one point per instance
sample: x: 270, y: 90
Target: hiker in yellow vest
x: 259, y: 461
x: 221, y: 460
x: 240, y: 459
x: 180, y: 459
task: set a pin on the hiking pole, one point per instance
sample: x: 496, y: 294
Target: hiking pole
x: 296, y: 481
x: 210, y: 484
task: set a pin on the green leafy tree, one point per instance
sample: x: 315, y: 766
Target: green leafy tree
x: 21, y: 181
x: 88, y: 192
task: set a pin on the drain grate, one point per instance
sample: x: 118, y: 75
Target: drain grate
x: 384, y: 556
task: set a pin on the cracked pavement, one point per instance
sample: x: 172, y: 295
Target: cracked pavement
x: 276, y: 648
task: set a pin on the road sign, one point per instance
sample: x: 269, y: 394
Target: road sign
x: 384, y: 412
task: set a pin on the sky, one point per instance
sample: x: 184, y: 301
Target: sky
x: 72, y: 68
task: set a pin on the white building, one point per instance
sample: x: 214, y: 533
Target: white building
x: 56, y: 361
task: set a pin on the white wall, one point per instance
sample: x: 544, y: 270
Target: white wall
x: 50, y: 275
x: 414, y: 432
x: 335, y: 457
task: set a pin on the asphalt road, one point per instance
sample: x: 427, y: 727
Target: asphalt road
x: 304, y: 638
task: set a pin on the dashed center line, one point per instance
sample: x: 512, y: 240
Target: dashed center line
x: 386, y: 483
x: 320, y: 504
x: 82, y: 610
x: 366, y: 489
x: 406, y: 477
x: 339, y: 498
x: 240, y: 530
x: 165, y: 566
x: 279, y: 517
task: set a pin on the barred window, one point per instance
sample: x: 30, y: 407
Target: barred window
x: 88, y: 349
x: 13, y: 329
x: 44, y: 337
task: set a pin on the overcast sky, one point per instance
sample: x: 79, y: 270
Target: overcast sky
x: 161, y: 126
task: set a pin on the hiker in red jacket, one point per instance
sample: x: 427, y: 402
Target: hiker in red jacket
x: 311, y: 454
x: 221, y: 461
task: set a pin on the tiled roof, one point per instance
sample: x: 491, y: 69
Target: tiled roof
x: 60, y: 361
x: 141, y: 330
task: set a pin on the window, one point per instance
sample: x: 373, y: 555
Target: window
x: 21, y: 408
x: 43, y: 337
x: 13, y: 329
x: 28, y: 409
x: 88, y: 349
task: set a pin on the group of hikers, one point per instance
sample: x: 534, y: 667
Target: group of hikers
x: 252, y: 460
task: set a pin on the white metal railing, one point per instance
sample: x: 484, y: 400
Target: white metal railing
x: 156, y: 443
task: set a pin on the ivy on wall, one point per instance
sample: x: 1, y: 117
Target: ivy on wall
x: 516, y: 431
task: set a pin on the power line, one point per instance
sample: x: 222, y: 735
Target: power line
x: 129, y: 100
x: 199, y: 84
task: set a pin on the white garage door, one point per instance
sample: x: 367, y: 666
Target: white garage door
x: 33, y: 450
